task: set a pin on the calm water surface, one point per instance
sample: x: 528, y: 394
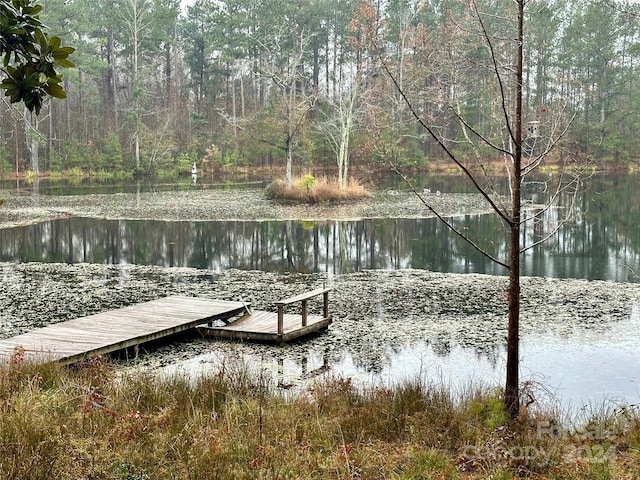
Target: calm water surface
x: 600, y: 241
x: 581, y: 249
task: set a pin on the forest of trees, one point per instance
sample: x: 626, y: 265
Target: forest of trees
x: 159, y: 85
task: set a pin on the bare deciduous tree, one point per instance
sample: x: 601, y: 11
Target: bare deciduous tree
x: 496, y: 132
x: 342, y: 120
x: 296, y: 102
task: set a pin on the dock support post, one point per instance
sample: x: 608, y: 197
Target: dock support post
x: 280, y: 320
x: 304, y: 313
x: 325, y: 296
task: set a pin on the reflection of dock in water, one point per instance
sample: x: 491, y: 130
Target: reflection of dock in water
x: 277, y: 327
x: 305, y: 373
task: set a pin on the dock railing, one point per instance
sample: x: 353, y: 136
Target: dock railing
x: 302, y: 298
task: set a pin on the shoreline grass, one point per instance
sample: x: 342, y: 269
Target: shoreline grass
x: 91, y: 422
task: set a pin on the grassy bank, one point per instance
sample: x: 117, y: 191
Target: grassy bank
x: 90, y: 423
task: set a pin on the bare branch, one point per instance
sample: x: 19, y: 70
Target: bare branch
x: 562, y: 187
x: 448, y: 224
x: 448, y: 152
x: 554, y: 138
x: 479, y: 135
x: 575, y: 181
x: 284, y: 149
x: 503, y: 95
x: 478, y: 159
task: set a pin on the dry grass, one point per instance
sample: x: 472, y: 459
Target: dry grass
x: 308, y: 189
x: 91, y: 423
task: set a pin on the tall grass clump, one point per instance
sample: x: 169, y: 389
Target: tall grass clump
x: 309, y: 189
x: 29, y: 176
x: 94, y: 421
x: 74, y: 172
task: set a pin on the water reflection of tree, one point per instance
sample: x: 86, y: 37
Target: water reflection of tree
x: 602, y: 241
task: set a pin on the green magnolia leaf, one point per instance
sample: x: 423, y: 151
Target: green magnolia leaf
x: 42, y: 40
x: 29, y: 56
x: 55, y: 90
x: 9, y: 85
x: 13, y: 72
x: 8, y: 9
x: 33, y: 10
x: 29, y: 81
x: 15, y: 96
x: 63, y: 51
x: 54, y: 43
x: 18, y: 31
x: 63, y: 62
x: 33, y: 102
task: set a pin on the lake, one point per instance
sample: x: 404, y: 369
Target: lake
x: 600, y: 241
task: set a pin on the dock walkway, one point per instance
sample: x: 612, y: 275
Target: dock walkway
x: 74, y: 340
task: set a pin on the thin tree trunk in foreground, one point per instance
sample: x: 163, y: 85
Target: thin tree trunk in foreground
x: 511, y: 391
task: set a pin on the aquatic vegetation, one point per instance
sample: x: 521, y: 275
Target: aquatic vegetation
x: 309, y: 189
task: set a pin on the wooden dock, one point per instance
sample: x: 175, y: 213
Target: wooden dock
x: 74, y: 340
x: 275, y: 327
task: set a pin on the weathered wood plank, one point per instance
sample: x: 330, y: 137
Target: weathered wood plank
x: 303, y: 296
x: 106, y: 332
x: 263, y: 327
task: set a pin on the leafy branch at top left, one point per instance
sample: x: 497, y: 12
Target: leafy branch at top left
x: 30, y: 59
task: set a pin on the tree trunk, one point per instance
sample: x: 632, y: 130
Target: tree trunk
x: 316, y: 65
x: 289, y: 162
x: 31, y: 131
x: 50, y: 135
x: 343, y: 148
x: 113, y: 84
x: 512, y: 394
x: 67, y: 104
x: 136, y: 19
x: 242, y: 107
x: 232, y: 86
x: 168, y: 73
x: 327, y: 76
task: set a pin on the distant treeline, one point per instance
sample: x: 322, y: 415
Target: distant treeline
x: 249, y: 83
